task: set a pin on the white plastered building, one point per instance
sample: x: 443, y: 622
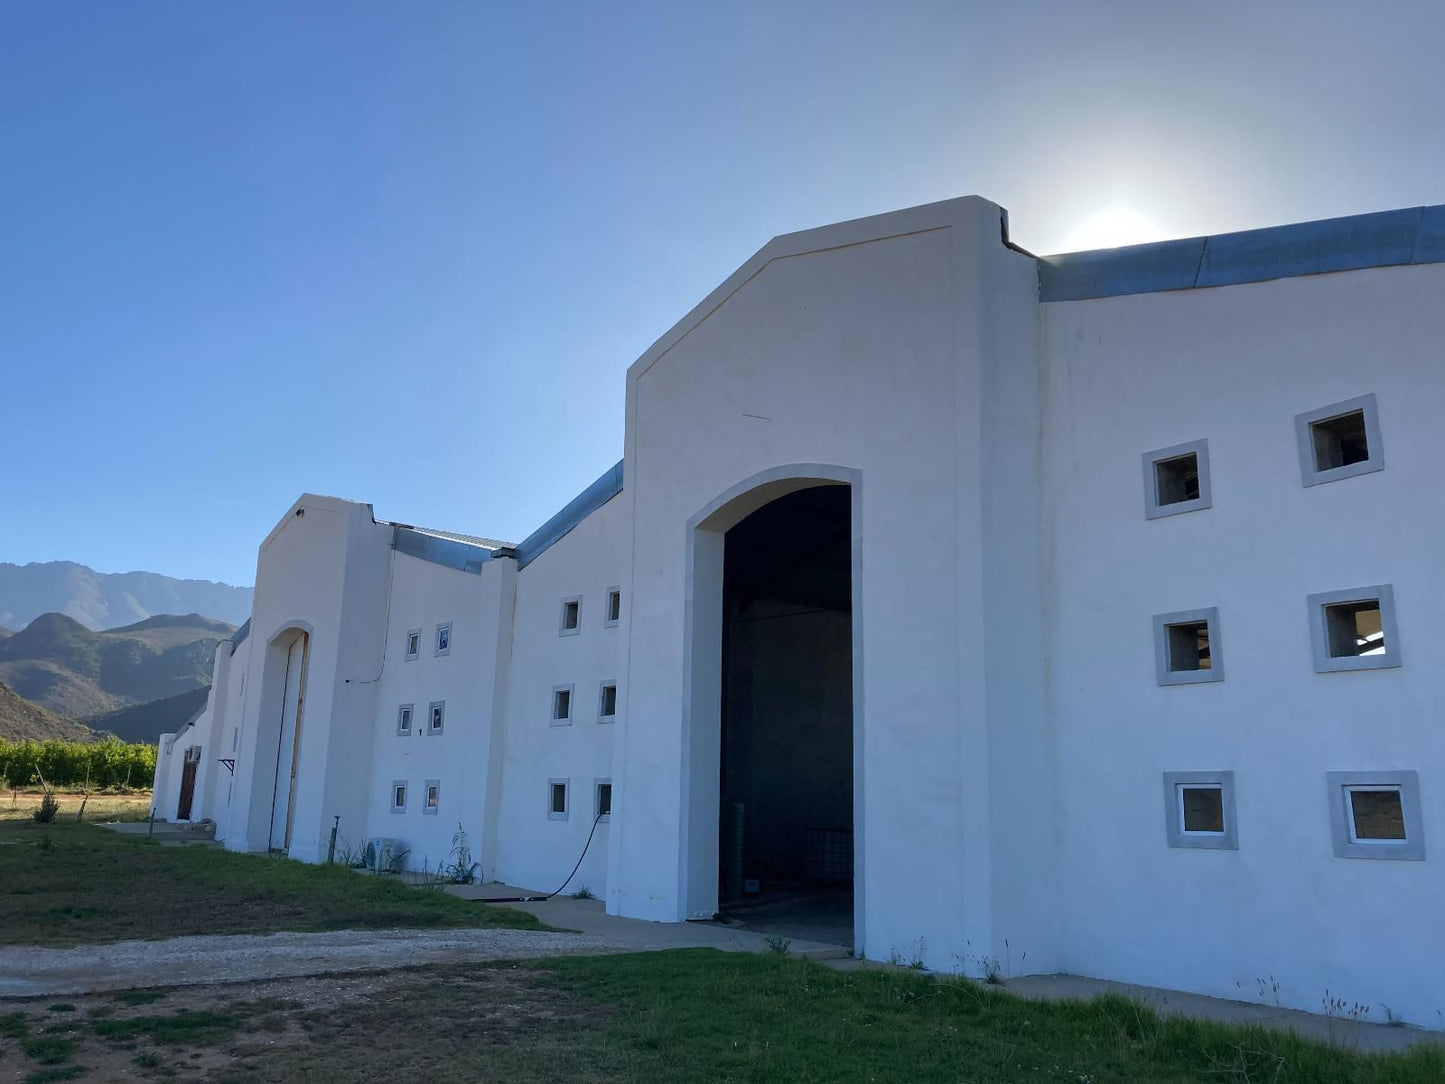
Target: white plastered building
x: 1063, y: 614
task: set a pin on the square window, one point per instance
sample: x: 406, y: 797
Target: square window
x: 557, y: 799
x: 433, y: 794
x: 561, y: 705
x: 1202, y: 809
x: 1199, y: 810
x: 444, y: 639
x: 1376, y: 815
x: 1339, y: 441
x: 1177, y: 480
x: 614, y: 607
x: 436, y: 716
x: 603, y: 800
x: 398, y: 796
x: 607, y: 702
x: 1187, y: 647
x: 571, y: 616
x: 1354, y: 629
x: 413, y: 644
x: 403, y: 719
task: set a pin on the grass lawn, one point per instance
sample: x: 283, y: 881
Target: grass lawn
x: 136, y: 806
x: 688, y: 1015
x: 67, y: 883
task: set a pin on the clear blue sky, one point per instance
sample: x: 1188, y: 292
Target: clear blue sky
x: 404, y: 252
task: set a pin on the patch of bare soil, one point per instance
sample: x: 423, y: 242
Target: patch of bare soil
x: 339, y: 1024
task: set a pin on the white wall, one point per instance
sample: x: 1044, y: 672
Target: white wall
x: 423, y: 596
x: 534, y: 851
x: 1131, y: 374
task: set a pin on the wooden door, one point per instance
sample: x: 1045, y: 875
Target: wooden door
x: 188, y: 783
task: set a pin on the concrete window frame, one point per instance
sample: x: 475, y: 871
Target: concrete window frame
x: 413, y: 644
x: 1325, y: 663
x: 1407, y: 783
x: 553, y: 813
x: 1209, y: 616
x: 1175, y: 783
x: 442, y: 644
x: 598, y: 810
x: 1154, y: 508
x: 436, y: 717
x: 399, y: 790
x: 1304, y: 426
x: 569, y: 619
x: 405, y: 716
x: 612, y: 613
x: 602, y: 715
x: 431, y: 797
x: 571, y: 705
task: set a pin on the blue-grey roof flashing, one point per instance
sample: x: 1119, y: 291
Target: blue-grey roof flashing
x: 449, y: 552
x: 573, y: 513
x: 241, y: 634
x: 1415, y: 235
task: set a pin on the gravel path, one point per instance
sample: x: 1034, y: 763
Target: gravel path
x: 28, y: 971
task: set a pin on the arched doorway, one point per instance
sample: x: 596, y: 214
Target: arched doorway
x: 775, y: 724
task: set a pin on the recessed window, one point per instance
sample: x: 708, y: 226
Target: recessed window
x: 602, y: 804
x: 436, y: 716
x: 1177, y: 479
x: 561, y: 705
x: 614, y: 607
x: 1354, y: 629
x: 1339, y: 441
x: 433, y: 797
x: 1199, y: 810
x: 403, y: 719
x: 557, y: 799
x: 607, y: 703
x: 1376, y: 815
x: 444, y: 639
x: 413, y: 644
x: 1187, y: 647
x: 571, y: 622
x: 398, y: 796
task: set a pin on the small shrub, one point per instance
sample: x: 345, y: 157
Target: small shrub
x: 48, y: 1049
x: 778, y: 946
x: 45, y: 812
x: 583, y: 893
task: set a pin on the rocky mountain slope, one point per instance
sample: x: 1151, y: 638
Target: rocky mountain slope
x: 107, y: 600
x: 70, y: 670
x: 147, y: 722
x: 20, y: 720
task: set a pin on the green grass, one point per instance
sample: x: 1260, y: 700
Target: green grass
x: 69, y: 884
x: 694, y: 1015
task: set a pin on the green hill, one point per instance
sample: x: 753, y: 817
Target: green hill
x: 20, y: 720
x: 147, y: 722
x: 73, y: 671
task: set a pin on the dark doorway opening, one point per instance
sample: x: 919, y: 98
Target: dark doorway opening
x: 786, y: 816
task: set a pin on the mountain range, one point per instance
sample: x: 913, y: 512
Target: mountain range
x: 110, y: 600
x: 76, y: 672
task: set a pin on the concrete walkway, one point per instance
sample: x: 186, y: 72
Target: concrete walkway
x: 634, y: 935
x: 1337, y: 1031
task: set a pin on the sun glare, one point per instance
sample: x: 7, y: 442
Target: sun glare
x: 1111, y: 228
